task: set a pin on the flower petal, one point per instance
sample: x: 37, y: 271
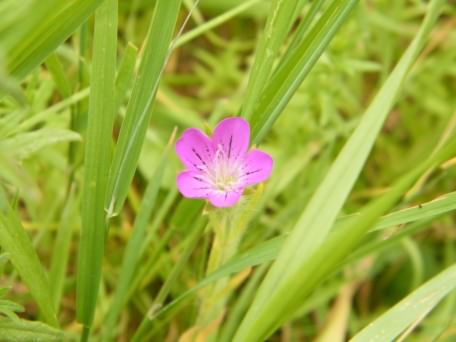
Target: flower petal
x: 258, y: 167
x: 192, y: 185
x: 195, y: 149
x: 233, y: 134
x: 221, y: 199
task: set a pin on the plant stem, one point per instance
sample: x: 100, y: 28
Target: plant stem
x: 224, y: 246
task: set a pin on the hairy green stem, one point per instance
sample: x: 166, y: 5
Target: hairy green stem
x: 224, y: 246
x: 229, y: 226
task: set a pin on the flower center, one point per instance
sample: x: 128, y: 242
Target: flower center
x: 225, y: 172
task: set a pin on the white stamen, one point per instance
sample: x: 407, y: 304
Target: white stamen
x: 223, y: 173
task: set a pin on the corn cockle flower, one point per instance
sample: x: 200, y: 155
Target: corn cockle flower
x: 219, y: 168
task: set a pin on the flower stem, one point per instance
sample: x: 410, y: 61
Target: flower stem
x: 224, y: 246
x: 229, y: 225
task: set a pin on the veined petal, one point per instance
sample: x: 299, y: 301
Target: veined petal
x: 195, y: 149
x: 221, y: 199
x: 258, y: 167
x: 192, y: 185
x: 233, y: 136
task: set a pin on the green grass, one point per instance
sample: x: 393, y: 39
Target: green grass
x: 97, y: 158
x: 352, y: 238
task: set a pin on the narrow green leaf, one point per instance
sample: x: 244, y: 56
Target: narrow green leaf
x: 22, y: 330
x: 62, y: 248
x: 58, y: 74
x: 15, y: 241
x: 126, y: 73
x: 49, y: 23
x: 441, y: 205
x: 277, y: 26
x: 412, y: 308
x: 189, y: 246
x: 7, y: 307
x: 10, y: 86
x: 96, y: 162
x: 289, y: 75
x: 12, y: 173
x: 49, y: 112
x: 134, y: 127
x: 133, y: 251
x: 24, y: 145
x: 303, y: 29
x: 217, y: 21
x: 319, y: 216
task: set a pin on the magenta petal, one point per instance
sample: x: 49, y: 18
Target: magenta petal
x: 224, y: 199
x: 258, y: 168
x: 192, y: 185
x: 233, y: 134
x: 195, y: 149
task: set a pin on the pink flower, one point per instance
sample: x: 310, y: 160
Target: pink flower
x: 219, y: 169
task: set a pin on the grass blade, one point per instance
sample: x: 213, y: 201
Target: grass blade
x: 277, y: 27
x: 126, y: 73
x: 202, y: 28
x: 48, y: 24
x: 134, y: 127
x: 96, y: 162
x: 304, y: 26
x: 133, y: 251
x: 22, y: 330
x: 146, y: 325
x: 24, y: 145
x: 409, y: 310
x: 55, y: 67
x: 322, y: 210
x: 14, y: 241
x: 61, y: 251
x: 292, y: 72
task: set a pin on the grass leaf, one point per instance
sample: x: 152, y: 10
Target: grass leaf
x: 97, y: 159
x: 61, y: 251
x: 411, y: 309
x: 25, y: 144
x: 277, y: 27
x: 292, y: 72
x: 133, y: 251
x: 22, y: 330
x: 49, y: 23
x: 134, y: 127
x: 15, y: 242
x: 126, y: 73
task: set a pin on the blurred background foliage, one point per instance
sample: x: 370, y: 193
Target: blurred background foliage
x: 42, y: 125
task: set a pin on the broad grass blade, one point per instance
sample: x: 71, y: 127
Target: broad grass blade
x: 134, y: 127
x: 97, y: 159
